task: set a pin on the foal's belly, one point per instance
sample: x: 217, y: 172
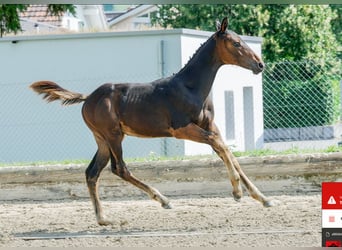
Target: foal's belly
x: 145, y: 129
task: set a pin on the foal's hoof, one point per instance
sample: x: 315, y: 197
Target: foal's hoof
x: 271, y: 203
x: 104, y: 222
x: 237, y: 197
x: 167, y: 206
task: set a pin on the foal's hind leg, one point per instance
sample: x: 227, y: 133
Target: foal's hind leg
x: 121, y: 170
x: 93, y: 171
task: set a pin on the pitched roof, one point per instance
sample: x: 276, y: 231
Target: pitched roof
x: 131, y: 12
x: 40, y: 14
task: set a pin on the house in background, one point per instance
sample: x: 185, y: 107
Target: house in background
x: 129, y: 17
x: 83, y: 61
x: 36, y: 20
x: 112, y: 11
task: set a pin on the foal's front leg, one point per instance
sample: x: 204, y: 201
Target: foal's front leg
x: 252, y: 189
x: 195, y: 133
x: 214, y: 139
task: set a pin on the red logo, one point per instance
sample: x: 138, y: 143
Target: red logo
x: 333, y: 243
x: 332, y: 195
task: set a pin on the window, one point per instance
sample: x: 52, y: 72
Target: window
x: 248, y: 117
x: 229, y: 113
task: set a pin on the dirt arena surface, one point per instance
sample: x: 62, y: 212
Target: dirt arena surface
x: 49, y: 206
x: 194, y: 221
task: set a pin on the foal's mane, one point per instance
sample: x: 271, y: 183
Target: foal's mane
x: 198, y: 51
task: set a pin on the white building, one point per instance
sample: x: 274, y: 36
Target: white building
x: 135, y: 18
x: 32, y: 130
x: 36, y: 20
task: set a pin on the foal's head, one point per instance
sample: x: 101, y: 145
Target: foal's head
x: 232, y: 50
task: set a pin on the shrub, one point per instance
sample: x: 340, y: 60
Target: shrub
x: 300, y: 94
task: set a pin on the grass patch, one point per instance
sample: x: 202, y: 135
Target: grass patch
x: 292, y: 150
x: 40, y: 163
x: 152, y: 157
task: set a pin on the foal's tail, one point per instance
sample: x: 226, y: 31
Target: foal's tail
x: 53, y: 92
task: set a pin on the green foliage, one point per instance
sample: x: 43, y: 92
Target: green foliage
x: 255, y: 153
x: 295, y: 95
x: 184, y: 16
x: 290, y: 32
x: 9, y: 15
x: 200, y: 16
x: 300, y: 31
x: 336, y: 25
x: 9, y: 20
x: 300, y: 94
x: 60, y: 9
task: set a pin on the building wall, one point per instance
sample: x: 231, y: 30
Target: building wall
x: 31, y: 130
x: 248, y: 136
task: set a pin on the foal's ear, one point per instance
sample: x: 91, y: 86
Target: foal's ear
x: 222, y: 27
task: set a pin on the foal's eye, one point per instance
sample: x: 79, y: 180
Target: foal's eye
x: 236, y: 44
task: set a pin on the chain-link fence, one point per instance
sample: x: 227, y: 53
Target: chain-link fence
x: 32, y: 130
x: 302, y: 102
x: 302, y: 105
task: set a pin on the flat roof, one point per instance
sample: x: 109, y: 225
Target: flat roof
x: 190, y: 32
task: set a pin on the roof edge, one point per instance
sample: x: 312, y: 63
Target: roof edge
x: 191, y: 32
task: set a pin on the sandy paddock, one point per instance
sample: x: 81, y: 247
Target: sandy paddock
x: 51, y: 206
x: 194, y: 221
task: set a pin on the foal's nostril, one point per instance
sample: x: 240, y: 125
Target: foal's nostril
x: 261, y: 65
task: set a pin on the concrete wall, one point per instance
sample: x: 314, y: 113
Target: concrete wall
x: 249, y: 134
x: 32, y: 130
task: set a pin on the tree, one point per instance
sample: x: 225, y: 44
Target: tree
x: 9, y: 15
x: 290, y: 32
x: 337, y: 26
x: 296, y: 94
x: 9, y: 19
x: 295, y: 32
x: 203, y: 17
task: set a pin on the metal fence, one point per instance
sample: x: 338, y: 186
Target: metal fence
x: 302, y: 107
x: 32, y: 130
x: 302, y: 103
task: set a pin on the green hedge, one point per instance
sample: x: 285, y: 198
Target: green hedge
x: 300, y: 94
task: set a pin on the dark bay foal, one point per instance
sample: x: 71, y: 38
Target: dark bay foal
x: 178, y: 106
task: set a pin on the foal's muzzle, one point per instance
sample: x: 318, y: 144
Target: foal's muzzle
x: 258, y: 67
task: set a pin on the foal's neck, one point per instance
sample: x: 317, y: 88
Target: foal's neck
x: 200, y: 71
